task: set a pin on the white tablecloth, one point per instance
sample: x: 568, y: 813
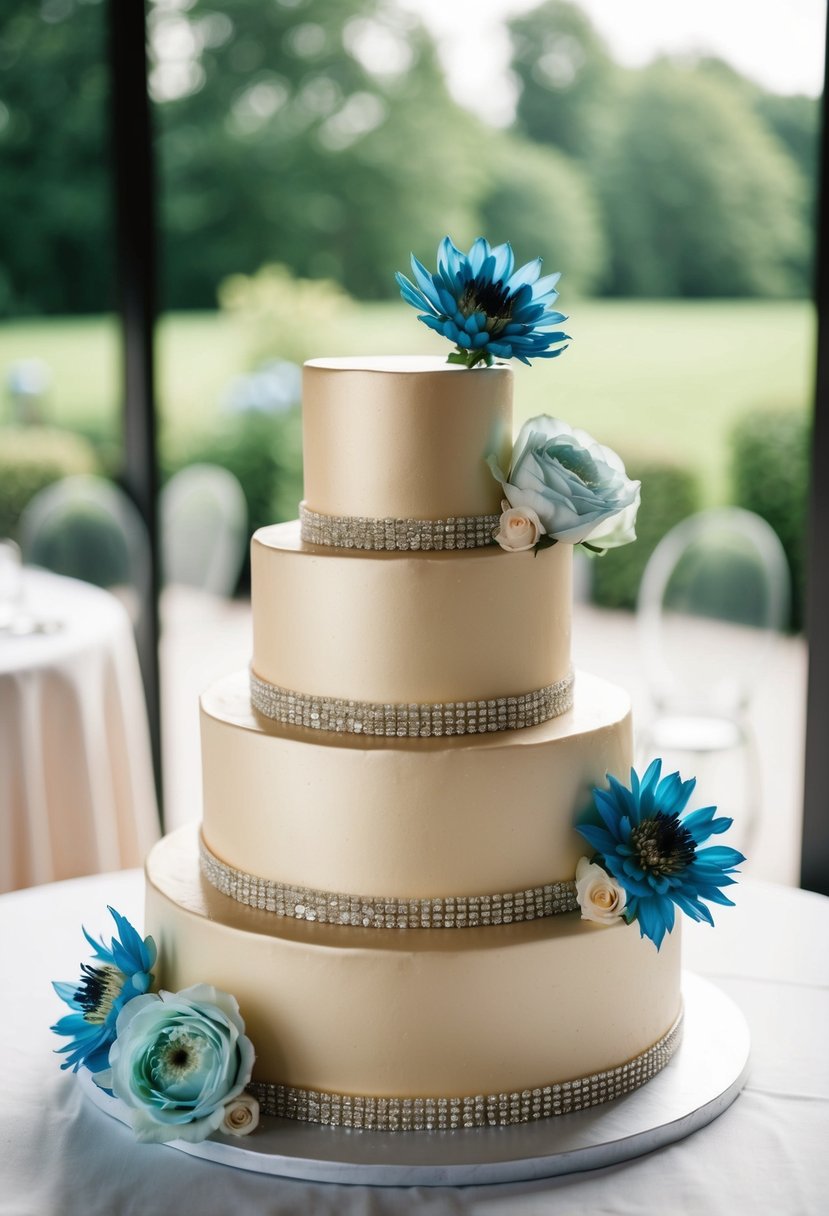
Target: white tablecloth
x: 76, y: 781
x: 769, y: 1153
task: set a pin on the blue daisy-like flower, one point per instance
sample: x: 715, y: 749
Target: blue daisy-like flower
x: 118, y: 973
x: 487, y: 308
x: 653, y: 851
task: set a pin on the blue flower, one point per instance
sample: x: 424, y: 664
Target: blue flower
x: 178, y: 1059
x: 577, y: 487
x: 653, y: 852
x: 118, y: 973
x: 488, y: 309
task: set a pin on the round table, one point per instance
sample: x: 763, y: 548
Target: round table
x: 765, y: 1154
x: 77, y: 794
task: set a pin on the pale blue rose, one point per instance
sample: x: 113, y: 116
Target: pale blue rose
x: 577, y: 487
x: 177, y: 1060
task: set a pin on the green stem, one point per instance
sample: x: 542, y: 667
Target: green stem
x: 469, y: 358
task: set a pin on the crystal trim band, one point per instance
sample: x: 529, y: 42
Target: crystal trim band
x: 357, y: 532
x: 480, y: 1110
x: 411, y: 721
x: 386, y: 912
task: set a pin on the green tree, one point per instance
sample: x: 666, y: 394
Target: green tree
x: 55, y: 199
x: 320, y: 136
x: 699, y: 198
x: 566, y: 76
x: 794, y: 120
x: 795, y: 123
x: 541, y: 201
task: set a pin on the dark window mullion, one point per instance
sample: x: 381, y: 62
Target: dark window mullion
x: 814, y: 868
x: 135, y: 239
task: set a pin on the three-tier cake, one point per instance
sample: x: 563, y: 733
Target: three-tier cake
x: 384, y: 875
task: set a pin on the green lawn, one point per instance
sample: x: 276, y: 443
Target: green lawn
x: 656, y: 378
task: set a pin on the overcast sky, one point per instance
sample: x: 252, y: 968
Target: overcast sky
x: 779, y: 43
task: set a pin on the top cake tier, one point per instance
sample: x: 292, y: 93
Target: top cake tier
x: 402, y: 437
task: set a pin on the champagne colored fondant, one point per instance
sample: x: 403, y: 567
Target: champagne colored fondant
x: 405, y: 645
x: 402, y: 1013
x: 403, y: 437
x: 408, y: 627
x: 412, y: 818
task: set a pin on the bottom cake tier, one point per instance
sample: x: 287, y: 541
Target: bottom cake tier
x: 421, y: 1028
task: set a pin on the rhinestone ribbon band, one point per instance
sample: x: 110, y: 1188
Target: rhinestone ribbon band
x: 411, y: 721
x: 357, y: 532
x: 481, y: 1110
x: 386, y: 912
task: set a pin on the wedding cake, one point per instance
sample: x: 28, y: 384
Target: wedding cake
x: 384, y: 876
x: 429, y: 890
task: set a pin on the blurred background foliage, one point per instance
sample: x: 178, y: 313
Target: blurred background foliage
x: 305, y: 147
x: 320, y: 134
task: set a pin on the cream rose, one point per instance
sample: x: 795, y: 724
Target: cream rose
x: 600, y: 897
x: 241, y: 1116
x: 518, y: 528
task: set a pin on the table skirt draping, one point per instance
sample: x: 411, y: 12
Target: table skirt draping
x: 77, y: 791
x: 766, y: 1154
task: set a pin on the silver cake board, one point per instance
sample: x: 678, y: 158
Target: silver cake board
x: 701, y: 1081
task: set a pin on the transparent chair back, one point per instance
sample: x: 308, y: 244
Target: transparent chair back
x: 713, y: 599
x: 87, y: 528
x: 204, y: 524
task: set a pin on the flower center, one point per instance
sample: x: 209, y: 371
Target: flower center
x: 239, y: 1116
x: 604, y: 898
x: 177, y: 1054
x: 492, y: 299
x: 99, y: 989
x: 662, y: 845
x: 577, y: 461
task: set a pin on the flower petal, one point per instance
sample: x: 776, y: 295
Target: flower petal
x: 651, y: 924
x: 504, y: 262
x: 526, y: 274
x: 464, y: 279
x: 718, y: 857
x: 601, y: 840
x: 659, y: 864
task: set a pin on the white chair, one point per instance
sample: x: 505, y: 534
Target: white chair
x: 204, y: 529
x: 714, y: 597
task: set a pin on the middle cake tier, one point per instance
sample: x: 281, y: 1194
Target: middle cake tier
x: 421, y: 628
x: 404, y: 819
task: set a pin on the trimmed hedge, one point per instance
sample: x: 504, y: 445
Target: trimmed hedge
x: 669, y: 494
x: 33, y: 457
x: 770, y: 476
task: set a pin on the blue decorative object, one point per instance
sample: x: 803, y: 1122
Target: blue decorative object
x: 653, y: 852
x: 178, y: 1060
x: 119, y: 972
x: 488, y: 309
x: 577, y: 488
